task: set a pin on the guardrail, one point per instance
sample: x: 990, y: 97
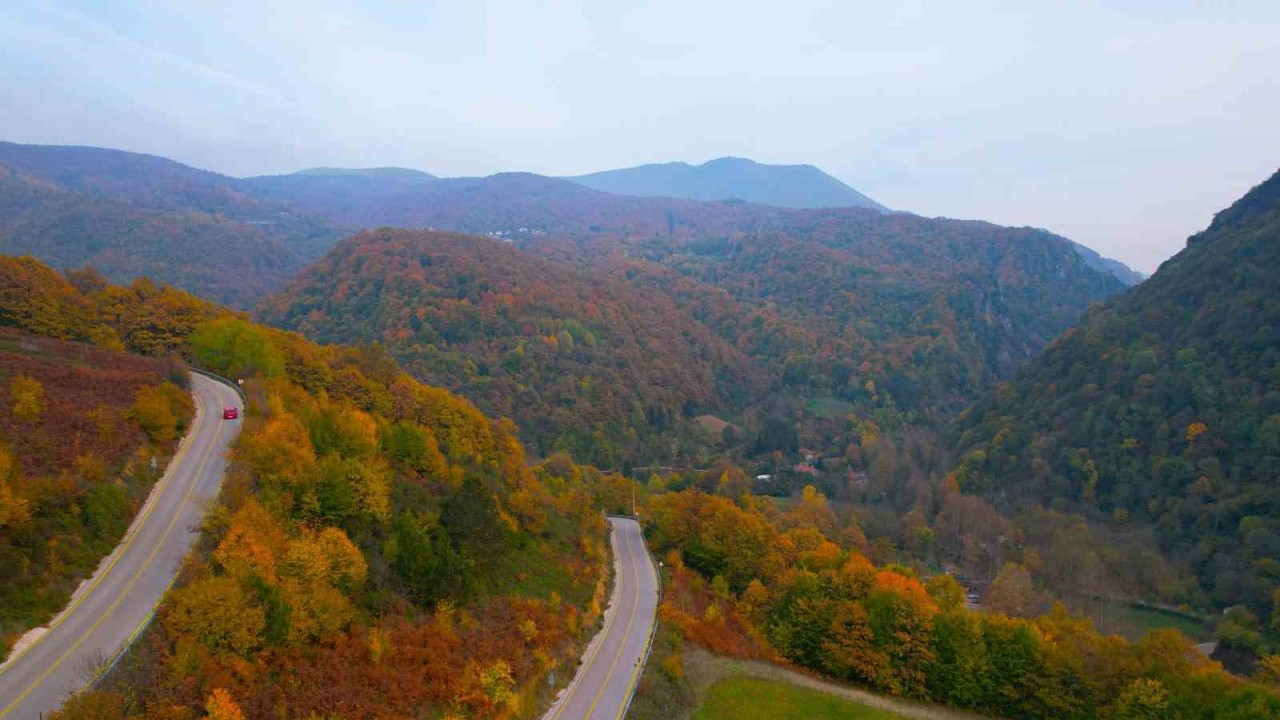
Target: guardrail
x: 214, y: 376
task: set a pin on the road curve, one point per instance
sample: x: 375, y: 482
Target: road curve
x: 611, y: 665
x: 119, y: 600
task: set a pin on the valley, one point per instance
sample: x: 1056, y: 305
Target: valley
x: 833, y: 424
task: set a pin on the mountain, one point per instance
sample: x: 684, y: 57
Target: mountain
x: 129, y: 214
x: 893, y: 316
x: 895, y: 312
x: 351, y: 198
x: 205, y: 253
x: 1161, y: 407
x: 1122, y: 272
x: 506, y: 202
x: 387, y: 174
x: 581, y: 361
x: 730, y: 178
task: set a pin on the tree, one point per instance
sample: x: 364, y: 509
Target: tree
x: 471, y: 518
x: 153, y: 410
x: 236, y: 348
x: 26, y: 396
x: 1143, y: 699
x: 14, y: 509
x: 900, y: 614
x: 424, y: 559
x: 1013, y: 593
x: 961, y: 673
x: 221, y: 706
x: 813, y: 511
x: 946, y: 591
x: 219, y: 613
x: 1269, y: 671
x: 777, y: 434
x: 280, y: 454
x: 850, y: 651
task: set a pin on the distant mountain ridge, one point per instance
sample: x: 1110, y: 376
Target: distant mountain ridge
x: 1122, y: 272
x: 379, y: 172
x: 731, y: 178
x: 129, y: 214
x: 234, y: 239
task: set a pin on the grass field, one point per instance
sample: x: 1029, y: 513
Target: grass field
x: 828, y: 407
x: 1133, y: 622
x: 743, y: 698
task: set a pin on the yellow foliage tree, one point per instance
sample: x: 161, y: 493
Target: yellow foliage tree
x: 252, y: 544
x: 316, y: 610
x: 1013, y: 593
x: 371, y: 481
x: 1195, y: 430
x: 14, y: 509
x: 161, y: 410
x: 26, y: 396
x: 218, y: 612
x: 347, y: 567
x: 221, y: 706
x: 280, y: 454
x: 1269, y: 671
x: 328, y: 557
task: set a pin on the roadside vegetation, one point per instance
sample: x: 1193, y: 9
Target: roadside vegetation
x: 380, y: 547
x: 749, y: 580
x: 80, y: 427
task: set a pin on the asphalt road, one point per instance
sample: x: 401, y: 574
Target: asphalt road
x: 611, y: 664
x: 120, y: 599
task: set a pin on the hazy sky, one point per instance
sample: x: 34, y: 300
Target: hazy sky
x: 1123, y: 125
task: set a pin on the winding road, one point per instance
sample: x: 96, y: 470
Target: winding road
x: 611, y: 665
x: 116, y: 604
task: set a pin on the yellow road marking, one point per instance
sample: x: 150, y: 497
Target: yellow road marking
x: 134, y: 531
x: 635, y: 674
x: 591, y: 655
x: 622, y: 646
x: 146, y: 620
x: 119, y: 599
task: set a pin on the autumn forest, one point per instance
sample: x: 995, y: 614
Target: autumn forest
x: 942, y: 461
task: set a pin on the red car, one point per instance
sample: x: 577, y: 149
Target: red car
x: 230, y: 413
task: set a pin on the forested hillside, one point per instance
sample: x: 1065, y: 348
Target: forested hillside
x: 896, y: 310
x: 584, y: 363
x: 380, y: 547
x: 896, y: 317
x: 78, y: 428
x: 1162, y: 407
x: 130, y: 215
x: 755, y: 579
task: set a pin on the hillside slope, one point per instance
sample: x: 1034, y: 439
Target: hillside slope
x: 1122, y: 272
x: 378, y: 540
x: 1163, y: 406
x: 129, y: 214
x: 895, y: 312
x: 730, y: 178
x: 583, y: 362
